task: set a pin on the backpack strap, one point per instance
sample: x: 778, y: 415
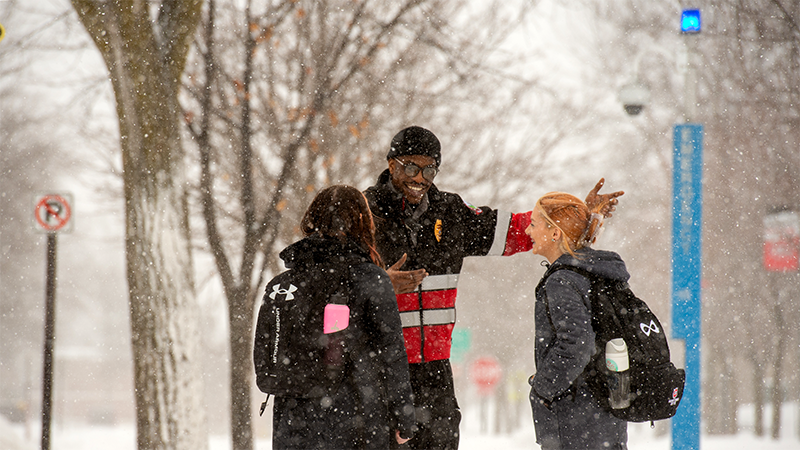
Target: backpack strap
x: 550, y: 272
x: 572, y: 390
x: 596, y: 281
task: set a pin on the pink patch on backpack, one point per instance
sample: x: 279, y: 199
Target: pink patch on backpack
x: 337, y: 318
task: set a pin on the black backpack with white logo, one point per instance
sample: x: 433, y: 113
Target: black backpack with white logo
x: 656, y: 385
x: 293, y: 356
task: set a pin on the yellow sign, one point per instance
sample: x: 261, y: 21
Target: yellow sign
x: 2, y: 32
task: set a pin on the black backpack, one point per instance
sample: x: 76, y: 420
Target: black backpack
x: 656, y: 385
x: 291, y: 354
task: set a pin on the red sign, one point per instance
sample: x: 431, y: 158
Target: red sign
x: 782, y: 242
x: 485, y: 372
x: 53, y: 212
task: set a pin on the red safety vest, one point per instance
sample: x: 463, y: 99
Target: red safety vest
x: 428, y: 316
x: 444, y: 234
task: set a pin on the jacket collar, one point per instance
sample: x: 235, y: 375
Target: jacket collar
x: 391, y: 202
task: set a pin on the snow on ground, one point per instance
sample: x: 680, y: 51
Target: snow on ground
x: 641, y: 437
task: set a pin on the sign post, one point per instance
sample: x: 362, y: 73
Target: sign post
x: 52, y: 214
x: 485, y: 372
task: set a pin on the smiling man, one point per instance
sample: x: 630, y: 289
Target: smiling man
x: 428, y: 233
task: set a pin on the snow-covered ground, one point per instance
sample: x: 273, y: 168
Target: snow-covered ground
x: 641, y: 437
x: 124, y: 438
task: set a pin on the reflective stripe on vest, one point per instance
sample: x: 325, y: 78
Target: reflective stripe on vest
x: 439, y: 282
x: 436, y: 299
x: 429, y: 317
x: 438, y: 292
x: 500, y: 234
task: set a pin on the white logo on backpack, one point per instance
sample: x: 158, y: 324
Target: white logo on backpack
x: 646, y: 329
x: 277, y: 290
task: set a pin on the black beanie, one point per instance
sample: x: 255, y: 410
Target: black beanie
x: 415, y: 141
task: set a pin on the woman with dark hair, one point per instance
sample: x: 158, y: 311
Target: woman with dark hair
x: 341, y: 212
x: 566, y: 415
x: 372, y: 405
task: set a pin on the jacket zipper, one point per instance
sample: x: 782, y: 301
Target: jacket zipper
x: 411, y: 239
x: 421, y: 326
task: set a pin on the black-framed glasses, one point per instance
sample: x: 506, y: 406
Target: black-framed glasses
x: 411, y: 170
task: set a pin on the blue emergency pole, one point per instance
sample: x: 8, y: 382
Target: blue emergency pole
x: 687, y: 205
x: 687, y: 220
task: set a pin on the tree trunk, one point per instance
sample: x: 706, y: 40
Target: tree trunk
x: 240, y: 311
x: 731, y: 401
x: 237, y: 291
x: 167, y: 373
x: 145, y: 57
x: 167, y: 376
x: 777, y: 393
x: 758, y: 392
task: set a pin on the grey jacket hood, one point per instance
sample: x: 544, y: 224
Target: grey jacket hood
x: 604, y: 263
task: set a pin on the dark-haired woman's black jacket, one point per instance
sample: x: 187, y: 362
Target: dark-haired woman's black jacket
x: 375, y: 399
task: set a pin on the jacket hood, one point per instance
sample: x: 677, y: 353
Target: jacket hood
x: 315, y: 250
x: 604, y: 263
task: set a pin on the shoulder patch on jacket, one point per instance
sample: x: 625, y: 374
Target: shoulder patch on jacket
x: 474, y: 208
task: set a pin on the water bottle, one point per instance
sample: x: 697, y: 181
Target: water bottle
x: 619, y: 380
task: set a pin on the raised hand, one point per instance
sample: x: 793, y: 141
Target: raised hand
x: 606, y: 202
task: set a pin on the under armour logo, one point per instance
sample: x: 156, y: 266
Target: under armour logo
x: 277, y: 290
x: 646, y: 329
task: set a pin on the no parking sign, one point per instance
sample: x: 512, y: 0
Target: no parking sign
x: 53, y: 213
x: 485, y: 373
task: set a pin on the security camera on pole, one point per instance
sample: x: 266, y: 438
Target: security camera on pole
x: 634, y: 96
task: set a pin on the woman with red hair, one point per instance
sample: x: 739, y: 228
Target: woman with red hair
x: 566, y: 415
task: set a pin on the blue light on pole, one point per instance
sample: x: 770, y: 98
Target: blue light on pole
x: 690, y: 21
